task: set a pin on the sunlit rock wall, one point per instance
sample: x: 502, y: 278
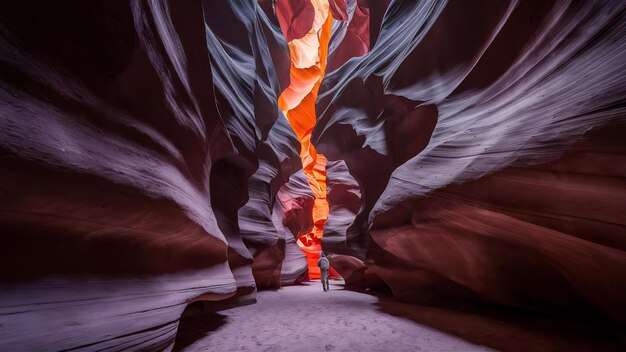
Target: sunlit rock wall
x: 475, y: 150
x: 307, y: 25
x: 247, y: 53
x: 478, y: 152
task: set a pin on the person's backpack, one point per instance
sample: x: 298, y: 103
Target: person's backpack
x: 324, y: 263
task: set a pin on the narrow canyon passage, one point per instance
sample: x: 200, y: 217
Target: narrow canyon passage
x: 303, y: 318
x: 170, y: 172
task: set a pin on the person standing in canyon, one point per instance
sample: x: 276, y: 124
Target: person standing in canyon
x: 324, y: 265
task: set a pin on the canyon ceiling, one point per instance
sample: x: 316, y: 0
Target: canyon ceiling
x: 157, y: 153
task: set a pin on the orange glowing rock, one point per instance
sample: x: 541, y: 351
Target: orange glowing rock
x: 312, y: 253
x: 308, y: 64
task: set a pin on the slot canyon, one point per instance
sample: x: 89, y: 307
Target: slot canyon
x: 171, y: 170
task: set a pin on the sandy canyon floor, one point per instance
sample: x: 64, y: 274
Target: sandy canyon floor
x: 304, y: 318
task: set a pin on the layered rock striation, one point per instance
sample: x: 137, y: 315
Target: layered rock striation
x: 142, y: 153
x: 480, y: 156
x: 154, y: 154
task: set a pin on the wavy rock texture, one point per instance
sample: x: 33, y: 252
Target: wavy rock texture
x: 248, y: 87
x: 294, y: 267
x: 344, y: 195
x: 557, y: 228
x: 296, y: 200
x: 308, y: 54
x: 158, y: 153
x: 142, y: 151
x: 472, y: 116
x: 108, y: 139
x: 356, y: 31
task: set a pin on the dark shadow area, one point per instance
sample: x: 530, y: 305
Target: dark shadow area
x: 509, y: 330
x: 196, y: 323
x: 244, y: 296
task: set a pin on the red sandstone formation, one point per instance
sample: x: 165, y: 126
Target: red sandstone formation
x: 134, y: 171
x: 547, y: 237
x: 109, y: 138
x: 295, y: 17
x: 154, y: 154
x: 308, y: 54
x: 484, y: 189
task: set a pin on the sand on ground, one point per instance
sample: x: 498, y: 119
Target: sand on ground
x: 304, y: 318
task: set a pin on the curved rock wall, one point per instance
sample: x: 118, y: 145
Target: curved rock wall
x: 465, y: 172
x: 142, y: 150
x: 548, y: 237
x: 247, y: 58
x: 308, y: 53
x: 475, y: 150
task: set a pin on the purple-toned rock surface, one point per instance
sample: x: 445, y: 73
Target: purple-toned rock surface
x: 142, y: 150
x: 475, y: 150
x: 485, y: 142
